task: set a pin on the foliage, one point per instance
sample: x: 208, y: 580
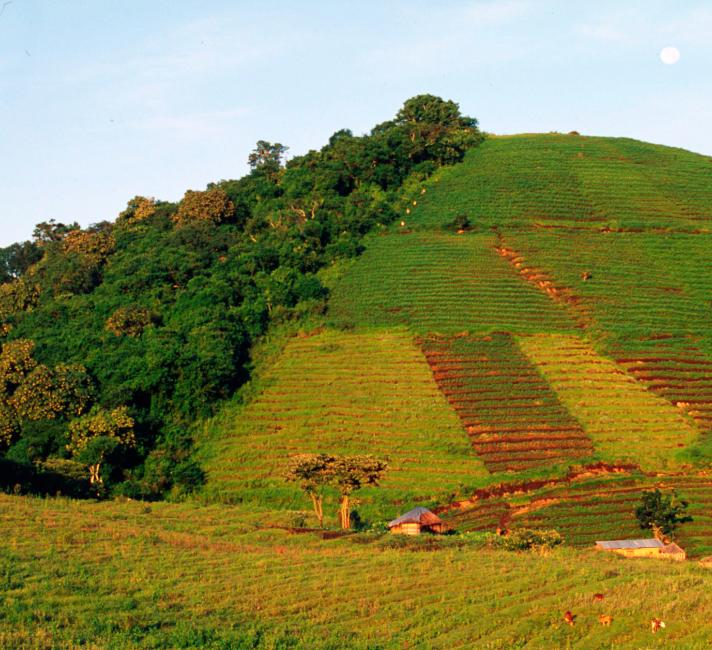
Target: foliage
x: 347, y: 474
x: 525, y: 539
x: 212, y: 206
x: 163, y: 306
x: 661, y: 513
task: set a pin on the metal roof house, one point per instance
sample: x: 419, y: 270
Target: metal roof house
x: 416, y: 521
x: 643, y: 548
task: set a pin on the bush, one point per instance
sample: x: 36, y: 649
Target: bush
x: 525, y: 539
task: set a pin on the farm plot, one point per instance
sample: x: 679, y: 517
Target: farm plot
x: 437, y: 283
x: 676, y: 370
x: 344, y: 394
x: 514, y: 419
x: 569, y: 180
x: 127, y: 575
x: 624, y: 420
x: 586, y: 514
x: 630, y: 286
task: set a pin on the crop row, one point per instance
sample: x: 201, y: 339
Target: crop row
x: 514, y: 419
x: 441, y: 283
x: 572, y: 180
x: 625, y: 421
x: 345, y: 393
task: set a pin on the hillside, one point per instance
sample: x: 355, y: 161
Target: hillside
x: 565, y: 325
x: 521, y: 334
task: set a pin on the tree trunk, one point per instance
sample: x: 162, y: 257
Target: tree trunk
x: 345, y: 512
x: 94, y: 475
x: 317, y: 502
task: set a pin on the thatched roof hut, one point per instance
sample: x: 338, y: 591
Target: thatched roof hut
x: 416, y: 521
x: 643, y: 548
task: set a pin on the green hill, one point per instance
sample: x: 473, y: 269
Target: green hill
x: 520, y: 331
x: 565, y: 326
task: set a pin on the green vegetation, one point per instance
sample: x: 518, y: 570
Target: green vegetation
x: 127, y: 575
x: 625, y: 422
x: 661, y: 513
x: 514, y: 418
x: 155, y: 315
x: 441, y: 283
x: 348, y: 392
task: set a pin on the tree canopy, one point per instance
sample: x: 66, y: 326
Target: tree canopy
x: 153, y: 316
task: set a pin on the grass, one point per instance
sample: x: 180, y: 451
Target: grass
x: 625, y: 421
x: 127, y: 575
x: 441, y: 283
x: 564, y: 180
x: 346, y: 393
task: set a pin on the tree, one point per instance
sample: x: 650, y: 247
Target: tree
x: 267, y: 157
x: 93, y: 437
x: 351, y: 473
x: 313, y: 472
x: 212, y: 206
x: 50, y: 231
x: 661, y: 513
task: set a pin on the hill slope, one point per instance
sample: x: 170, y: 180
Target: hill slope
x: 566, y: 326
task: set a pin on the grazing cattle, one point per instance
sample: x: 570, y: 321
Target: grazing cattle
x: 605, y: 619
x: 586, y: 275
x: 569, y: 618
x: 656, y: 624
x: 597, y: 598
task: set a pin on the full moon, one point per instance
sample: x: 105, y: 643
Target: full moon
x: 669, y: 55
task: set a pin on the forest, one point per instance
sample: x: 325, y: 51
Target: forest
x: 116, y: 338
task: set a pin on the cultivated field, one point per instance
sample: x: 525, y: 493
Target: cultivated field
x: 338, y: 392
x: 131, y: 575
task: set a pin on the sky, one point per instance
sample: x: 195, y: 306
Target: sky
x: 102, y: 100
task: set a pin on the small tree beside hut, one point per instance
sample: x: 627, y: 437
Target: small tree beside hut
x: 315, y: 472
x: 661, y: 513
x: 351, y: 473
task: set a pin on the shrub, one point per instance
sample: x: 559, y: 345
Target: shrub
x: 525, y: 539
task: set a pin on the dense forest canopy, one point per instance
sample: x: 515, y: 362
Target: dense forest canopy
x: 116, y: 337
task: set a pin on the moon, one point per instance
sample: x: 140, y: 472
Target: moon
x: 669, y: 55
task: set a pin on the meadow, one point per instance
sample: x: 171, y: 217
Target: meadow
x: 130, y: 575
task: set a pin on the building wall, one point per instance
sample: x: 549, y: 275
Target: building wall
x: 406, y: 529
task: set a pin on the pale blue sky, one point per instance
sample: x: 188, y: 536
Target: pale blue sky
x: 101, y: 100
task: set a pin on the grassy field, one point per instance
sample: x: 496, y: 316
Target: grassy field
x: 441, y: 283
x: 129, y: 575
x: 568, y: 180
x: 514, y: 418
x: 338, y: 392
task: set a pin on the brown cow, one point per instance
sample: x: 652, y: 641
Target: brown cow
x: 605, y: 619
x: 656, y: 624
x: 569, y: 618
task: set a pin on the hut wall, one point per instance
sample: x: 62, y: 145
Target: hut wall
x: 406, y: 529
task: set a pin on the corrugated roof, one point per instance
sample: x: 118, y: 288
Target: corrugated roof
x: 417, y: 515
x: 631, y: 543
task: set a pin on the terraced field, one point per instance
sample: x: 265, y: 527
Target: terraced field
x: 440, y: 283
x: 514, y: 419
x: 624, y: 420
x: 345, y: 393
x: 129, y: 575
x: 570, y: 180
x: 585, y: 515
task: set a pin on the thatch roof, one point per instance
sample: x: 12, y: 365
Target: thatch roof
x: 418, y: 515
x: 630, y: 544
